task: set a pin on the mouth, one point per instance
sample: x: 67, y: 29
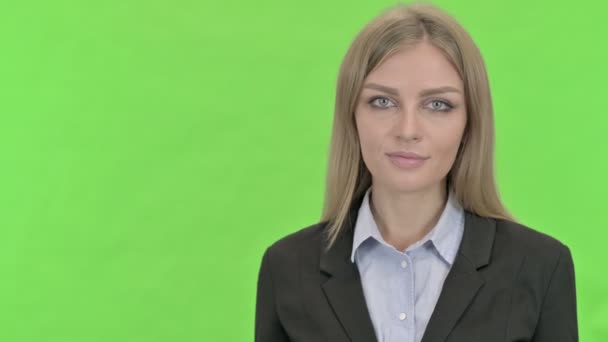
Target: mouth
x: 408, y: 155
x: 409, y: 162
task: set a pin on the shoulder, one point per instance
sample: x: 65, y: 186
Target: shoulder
x: 540, y: 252
x: 294, y: 255
x: 540, y: 270
x: 306, y: 237
x: 520, y: 238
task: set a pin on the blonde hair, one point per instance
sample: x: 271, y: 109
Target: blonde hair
x: 472, y: 174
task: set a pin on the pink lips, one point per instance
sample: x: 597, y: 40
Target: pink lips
x: 406, y: 155
x: 406, y: 160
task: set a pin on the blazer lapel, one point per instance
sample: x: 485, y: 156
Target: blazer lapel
x: 463, y: 281
x: 343, y: 288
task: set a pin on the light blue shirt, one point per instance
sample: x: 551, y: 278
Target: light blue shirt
x: 401, y: 288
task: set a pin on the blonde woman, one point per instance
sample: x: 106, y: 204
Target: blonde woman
x: 414, y: 243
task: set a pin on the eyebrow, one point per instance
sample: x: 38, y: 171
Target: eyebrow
x: 425, y: 92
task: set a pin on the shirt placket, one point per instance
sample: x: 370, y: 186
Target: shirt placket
x: 403, y: 326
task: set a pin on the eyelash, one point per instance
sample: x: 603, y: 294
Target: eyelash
x: 446, y: 103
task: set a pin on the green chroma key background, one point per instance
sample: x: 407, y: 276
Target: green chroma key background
x: 151, y: 150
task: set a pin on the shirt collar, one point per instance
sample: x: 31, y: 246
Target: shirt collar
x: 444, y: 236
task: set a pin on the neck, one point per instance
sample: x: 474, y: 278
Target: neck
x: 406, y: 217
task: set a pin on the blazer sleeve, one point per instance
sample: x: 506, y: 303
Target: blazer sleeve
x: 558, y: 317
x: 268, y: 328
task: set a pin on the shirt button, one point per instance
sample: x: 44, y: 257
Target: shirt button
x: 402, y: 316
x: 404, y: 264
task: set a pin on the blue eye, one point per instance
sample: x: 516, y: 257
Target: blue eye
x: 441, y: 106
x: 382, y: 103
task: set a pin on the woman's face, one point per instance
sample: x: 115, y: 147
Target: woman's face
x: 413, y: 102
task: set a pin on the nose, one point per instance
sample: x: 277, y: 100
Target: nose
x: 407, y: 125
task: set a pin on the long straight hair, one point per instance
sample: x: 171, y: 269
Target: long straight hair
x: 471, y: 177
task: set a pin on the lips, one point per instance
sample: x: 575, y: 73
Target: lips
x: 409, y: 155
x: 407, y: 160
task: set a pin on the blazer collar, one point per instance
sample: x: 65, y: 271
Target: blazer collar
x: 344, y: 291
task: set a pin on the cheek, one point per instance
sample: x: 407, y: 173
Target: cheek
x: 370, y: 140
x: 447, y: 156
x: 369, y: 144
x: 367, y: 132
x: 448, y: 143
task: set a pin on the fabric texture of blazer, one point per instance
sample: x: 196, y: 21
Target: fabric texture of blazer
x: 508, y: 283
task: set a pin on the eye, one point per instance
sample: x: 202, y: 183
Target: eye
x: 440, y: 106
x: 382, y: 103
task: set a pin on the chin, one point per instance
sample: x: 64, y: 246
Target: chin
x: 413, y: 183
x: 410, y: 186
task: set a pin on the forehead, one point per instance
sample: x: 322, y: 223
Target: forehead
x: 416, y: 67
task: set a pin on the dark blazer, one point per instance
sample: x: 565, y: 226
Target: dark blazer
x: 508, y: 283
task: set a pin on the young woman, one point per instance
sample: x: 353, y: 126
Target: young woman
x: 414, y: 243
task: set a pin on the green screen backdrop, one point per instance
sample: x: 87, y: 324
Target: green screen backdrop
x: 151, y: 151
